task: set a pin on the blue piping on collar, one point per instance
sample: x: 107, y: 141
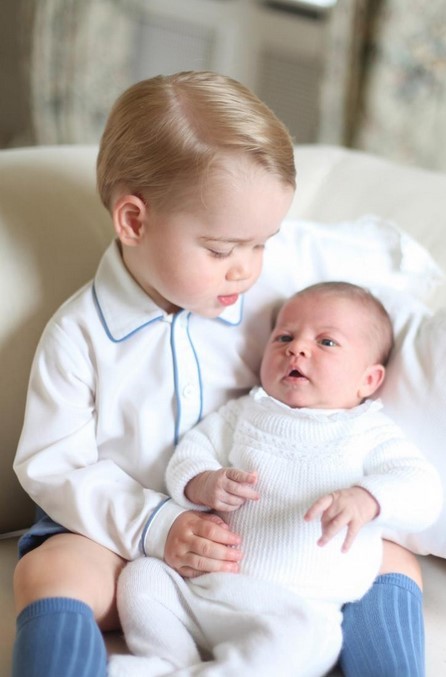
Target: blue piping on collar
x: 155, y: 319
x: 107, y: 330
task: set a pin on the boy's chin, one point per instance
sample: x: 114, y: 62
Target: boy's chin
x: 209, y: 313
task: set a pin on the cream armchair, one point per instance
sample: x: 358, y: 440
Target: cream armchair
x: 52, y: 233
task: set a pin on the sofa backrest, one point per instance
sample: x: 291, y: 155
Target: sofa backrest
x: 53, y: 230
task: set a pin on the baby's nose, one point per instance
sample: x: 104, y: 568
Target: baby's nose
x: 298, y: 347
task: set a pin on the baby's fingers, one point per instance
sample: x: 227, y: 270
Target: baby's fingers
x: 319, y: 507
x: 352, y: 532
x: 240, y: 485
x: 331, y: 525
x: 241, y: 476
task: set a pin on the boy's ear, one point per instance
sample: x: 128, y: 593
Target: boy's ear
x: 129, y: 219
x: 371, y: 380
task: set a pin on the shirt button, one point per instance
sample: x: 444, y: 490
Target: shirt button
x: 188, y: 390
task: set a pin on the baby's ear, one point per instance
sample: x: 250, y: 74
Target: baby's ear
x: 129, y: 216
x: 371, y: 380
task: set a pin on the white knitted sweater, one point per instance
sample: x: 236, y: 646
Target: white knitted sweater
x: 300, y: 455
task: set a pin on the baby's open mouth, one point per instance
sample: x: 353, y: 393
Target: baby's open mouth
x: 295, y: 373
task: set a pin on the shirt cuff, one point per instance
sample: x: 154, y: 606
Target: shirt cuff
x: 155, y: 533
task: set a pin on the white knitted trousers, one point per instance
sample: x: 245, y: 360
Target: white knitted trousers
x: 220, y: 625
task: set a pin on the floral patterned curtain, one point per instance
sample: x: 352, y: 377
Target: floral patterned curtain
x: 402, y: 112
x: 81, y: 59
x: 82, y: 55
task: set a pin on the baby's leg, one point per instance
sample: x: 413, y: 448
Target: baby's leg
x: 295, y: 643
x: 63, y: 590
x: 157, y: 621
x: 255, y: 628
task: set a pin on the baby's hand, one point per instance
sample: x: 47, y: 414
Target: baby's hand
x: 225, y: 490
x: 351, y: 508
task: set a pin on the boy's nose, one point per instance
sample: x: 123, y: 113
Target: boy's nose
x: 239, y: 272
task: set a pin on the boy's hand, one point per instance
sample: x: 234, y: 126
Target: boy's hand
x: 225, y: 490
x: 199, y: 543
x: 351, y: 508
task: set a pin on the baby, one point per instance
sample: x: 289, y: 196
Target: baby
x: 305, y: 461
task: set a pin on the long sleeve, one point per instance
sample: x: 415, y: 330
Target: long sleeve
x: 206, y: 447
x: 407, y: 487
x: 67, y: 464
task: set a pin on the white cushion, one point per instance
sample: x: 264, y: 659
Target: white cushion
x: 414, y: 395
x: 398, y: 270
x: 369, y: 251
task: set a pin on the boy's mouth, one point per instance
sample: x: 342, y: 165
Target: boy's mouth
x: 228, y: 300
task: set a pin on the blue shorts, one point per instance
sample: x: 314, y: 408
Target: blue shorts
x: 42, y: 529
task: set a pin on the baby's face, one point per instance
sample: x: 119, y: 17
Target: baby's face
x: 320, y: 354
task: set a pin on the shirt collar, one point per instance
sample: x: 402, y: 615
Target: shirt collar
x: 258, y: 393
x: 124, y: 307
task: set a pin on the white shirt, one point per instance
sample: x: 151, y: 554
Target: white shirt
x: 115, y: 382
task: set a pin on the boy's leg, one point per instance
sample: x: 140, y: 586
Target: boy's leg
x: 58, y: 636
x: 384, y: 632
x: 61, y: 587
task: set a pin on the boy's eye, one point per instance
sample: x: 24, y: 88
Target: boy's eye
x: 327, y: 342
x: 219, y: 254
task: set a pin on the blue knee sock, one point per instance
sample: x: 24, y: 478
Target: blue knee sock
x: 58, y: 637
x: 384, y: 631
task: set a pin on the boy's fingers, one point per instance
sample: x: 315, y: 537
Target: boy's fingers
x: 225, y: 559
x: 206, y: 556
x: 203, y: 551
x: 208, y: 566
x: 206, y: 545
x: 216, y: 531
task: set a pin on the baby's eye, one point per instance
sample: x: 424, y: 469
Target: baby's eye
x: 327, y: 342
x: 283, y: 338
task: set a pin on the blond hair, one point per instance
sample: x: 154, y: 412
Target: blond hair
x: 381, y: 329
x: 163, y: 135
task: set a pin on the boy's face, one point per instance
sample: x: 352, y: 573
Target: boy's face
x: 320, y: 354
x: 203, y: 256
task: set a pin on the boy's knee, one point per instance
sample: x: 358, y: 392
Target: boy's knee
x: 35, y: 576
x: 63, y: 567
